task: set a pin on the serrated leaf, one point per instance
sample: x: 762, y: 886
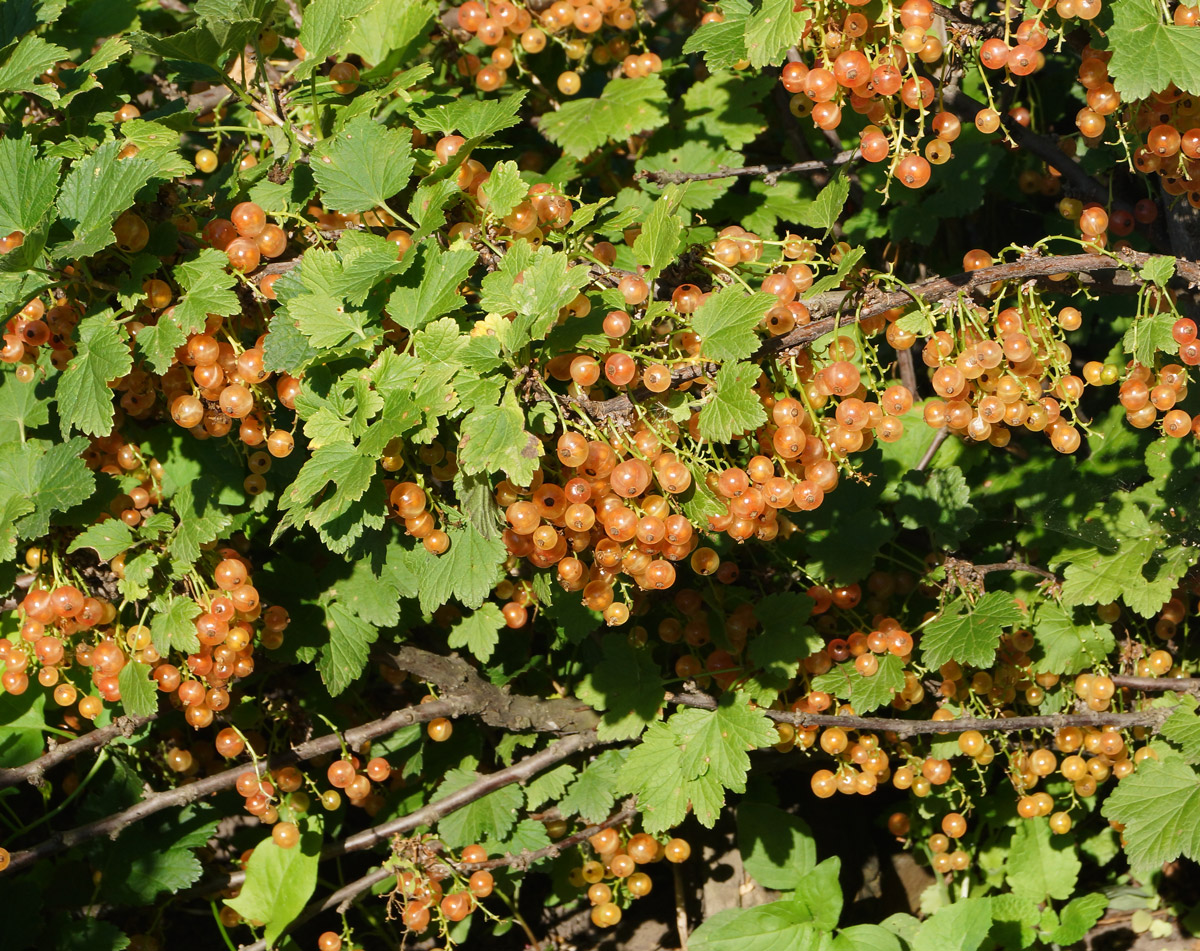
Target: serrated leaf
x: 658, y: 243
x: 467, y: 571
x: 343, y: 658
x: 389, y: 26
x: 139, y: 694
x: 1159, y: 805
x: 1067, y: 647
x: 20, y: 408
x: 84, y: 400
x: 864, y: 693
x: 327, y: 25
x: 723, y: 106
x: 594, y: 791
x: 107, y: 539
x: 28, y: 185
x: 503, y: 190
x: 490, y: 816
x: 969, y: 632
x: 785, y: 639
x: 135, y: 585
x: 548, y: 786
x: 363, y: 166
x: 1148, y: 55
x: 1182, y: 728
x: 1039, y: 865
x: 472, y: 118
x: 724, y: 43
x: 719, y: 741
x: 479, y: 631
x: 1159, y: 269
x: 346, y: 466
x: 208, y: 289
x: 429, y: 288
x: 1150, y: 335
x: 1077, y: 917
x: 938, y: 500
x: 94, y: 192
x: 197, y: 526
x: 654, y: 774
x: 624, y: 107
x: 172, y: 625
x: 533, y: 285
x: 626, y: 686
x: 494, y: 439
x: 726, y: 323
x: 735, y: 407
x: 279, y: 882
x: 771, y: 29
x: 29, y: 59
x: 827, y: 207
x: 52, y: 480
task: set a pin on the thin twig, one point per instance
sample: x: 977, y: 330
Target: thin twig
x: 33, y: 772
x: 769, y: 173
x: 938, y: 438
x: 902, y: 728
x: 1157, y: 684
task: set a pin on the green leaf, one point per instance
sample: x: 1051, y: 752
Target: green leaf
x: 624, y: 107
x: 1159, y: 805
x: 31, y: 57
x: 346, y: 466
x: 825, y: 209
x: 1067, y: 647
x: 22, y: 723
x: 1182, y: 728
x: 197, y: 526
x: 27, y: 186
x: 20, y: 408
x: 864, y: 693
x: 429, y: 288
x: 820, y: 893
x: 172, y: 627
x: 279, y: 882
x: 1150, y: 335
x: 97, y: 189
x: 494, y: 439
x: 735, y: 407
x: 778, y: 926
x: 364, y: 165
x: 208, y: 289
x: 1147, y: 54
x: 343, y: 659
x: 84, y: 400
x: 594, y: 791
x: 467, y: 571
x: 107, y: 539
x: 1041, y: 866
x: 658, y: 243
x: 727, y: 321
x: 533, y: 285
x: 549, y: 786
x: 135, y: 585
x: 969, y: 632
x: 139, y: 694
x: 327, y: 25
x: 865, y: 938
x: 490, y: 816
x: 473, y: 118
x: 723, y: 106
x: 52, y: 480
x: 326, y: 321
x: 388, y: 26
x: 653, y: 772
x: 719, y: 741
x: 479, y: 631
x: 777, y: 848
x: 938, y: 500
x: 503, y: 190
x: 12, y: 507
x: 771, y: 29
x: 962, y: 926
x: 777, y: 649
x: 626, y: 686
x: 724, y: 43
x: 1077, y: 917
x: 1159, y: 269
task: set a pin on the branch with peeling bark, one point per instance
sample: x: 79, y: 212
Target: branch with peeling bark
x: 34, y: 771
